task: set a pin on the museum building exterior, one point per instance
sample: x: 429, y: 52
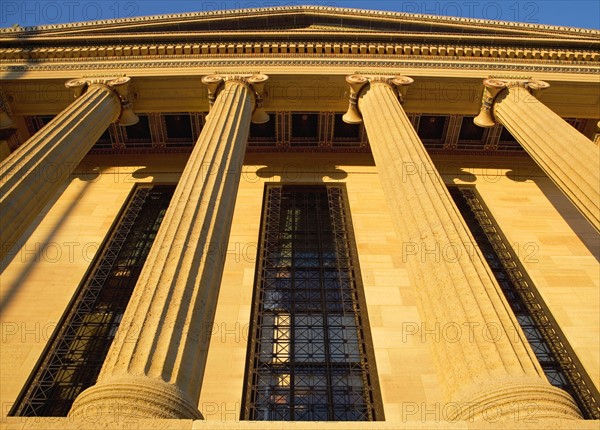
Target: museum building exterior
x: 299, y: 213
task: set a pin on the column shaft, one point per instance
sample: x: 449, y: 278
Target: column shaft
x: 156, y: 362
x: 33, y: 173
x: 569, y: 158
x: 455, y: 286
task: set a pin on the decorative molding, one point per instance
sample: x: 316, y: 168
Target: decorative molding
x: 310, y: 48
x: 453, y: 131
x: 493, y: 138
x: 291, y: 62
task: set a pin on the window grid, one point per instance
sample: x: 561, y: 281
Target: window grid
x: 75, y: 354
x: 546, y: 343
x: 308, y: 352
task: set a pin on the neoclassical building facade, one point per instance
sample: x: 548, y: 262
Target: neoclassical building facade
x: 299, y: 214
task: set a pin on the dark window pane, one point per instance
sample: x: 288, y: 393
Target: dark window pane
x: 345, y: 131
x: 308, y: 352
x: 469, y: 131
x: 139, y: 131
x: 105, y: 136
x: 264, y: 132
x: 432, y: 127
x: 305, y: 127
x: 505, y: 136
x: 179, y: 126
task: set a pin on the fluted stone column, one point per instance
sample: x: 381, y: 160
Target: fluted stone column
x: 567, y: 157
x: 481, y: 374
x: 155, y: 365
x: 32, y: 174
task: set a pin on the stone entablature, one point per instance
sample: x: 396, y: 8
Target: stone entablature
x: 369, y: 50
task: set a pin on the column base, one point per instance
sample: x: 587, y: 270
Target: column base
x: 515, y: 402
x: 133, y: 397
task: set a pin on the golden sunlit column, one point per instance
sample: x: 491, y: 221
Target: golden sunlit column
x: 155, y: 365
x: 31, y: 175
x: 482, y: 374
x: 567, y: 157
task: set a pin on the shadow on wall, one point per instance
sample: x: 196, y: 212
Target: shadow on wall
x: 578, y: 223
x: 36, y: 255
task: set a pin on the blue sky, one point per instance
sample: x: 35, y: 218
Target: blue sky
x: 584, y: 13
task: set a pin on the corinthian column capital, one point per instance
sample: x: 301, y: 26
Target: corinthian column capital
x: 255, y: 84
x: 491, y: 90
x: 119, y: 85
x: 360, y: 83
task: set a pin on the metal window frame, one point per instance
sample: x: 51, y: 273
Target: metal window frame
x: 370, y: 383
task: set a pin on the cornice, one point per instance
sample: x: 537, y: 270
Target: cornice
x: 301, y: 35
x: 284, y: 48
x: 465, y: 22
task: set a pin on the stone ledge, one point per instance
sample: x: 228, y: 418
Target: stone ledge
x: 49, y: 423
